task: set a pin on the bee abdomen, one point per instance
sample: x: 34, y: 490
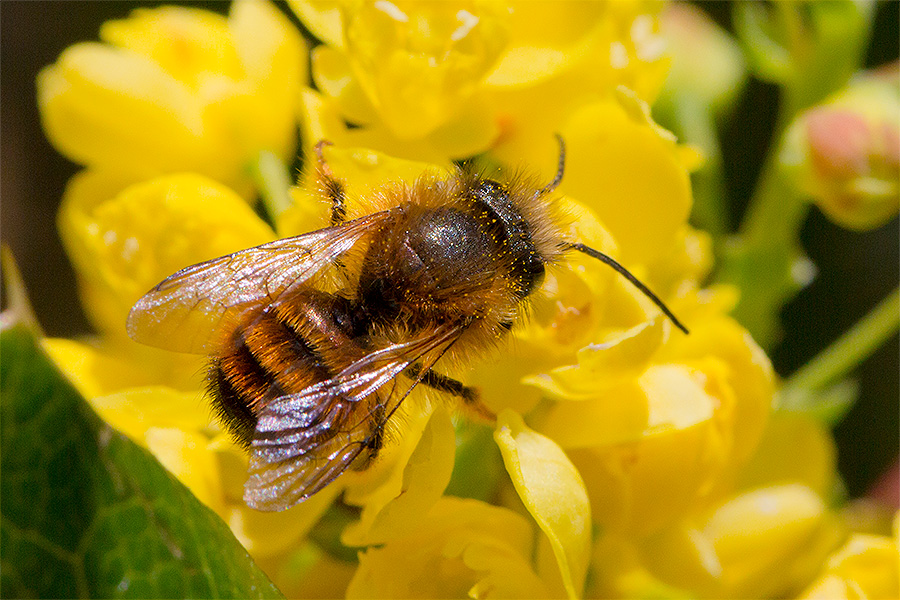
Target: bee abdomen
x: 279, y: 351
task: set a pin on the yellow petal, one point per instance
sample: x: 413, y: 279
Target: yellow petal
x: 544, y: 39
x: 155, y: 406
x: 178, y: 89
x: 309, y: 572
x: 770, y: 539
x: 552, y: 491
x: 273, y: 534
x: 682, y: 556
x: 507, y: 574
x: 269, y: 46
x: 184, y: 42
x: 865, y: 567
x: 623, y: 356
x: 619, y: 572
x: 322, y: 18
x: 424, y: 479
x: 100, y: 369
x: 629, y: 176
x: 273, y: 56
x: 185, y: 454
x: 417, y: 62
x: 93, y: 372
x: 321, y: 119
x: 109, y: 108
x: 123, y: 246
x: 794, y: 448
x: 462, y: 547
x: 333, y: 76
x: 651, y: 472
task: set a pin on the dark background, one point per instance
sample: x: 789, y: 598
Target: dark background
x: 856, y: 270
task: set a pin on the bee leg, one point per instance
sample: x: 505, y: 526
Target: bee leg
x: 469, y: 395
x: 331, y: 186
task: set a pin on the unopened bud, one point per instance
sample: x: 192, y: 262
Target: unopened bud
x: 847, y: 153
x: 706, y: 62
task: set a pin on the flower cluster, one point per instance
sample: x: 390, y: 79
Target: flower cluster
x: 633, y: 460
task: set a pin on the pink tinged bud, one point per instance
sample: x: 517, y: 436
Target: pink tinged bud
x: 839, y: 142
x: 891, y: 149
x: 887, y: 488
x: 853, y: 149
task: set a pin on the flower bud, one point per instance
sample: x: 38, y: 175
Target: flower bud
x: 845, y: 153
x: 706, y: 62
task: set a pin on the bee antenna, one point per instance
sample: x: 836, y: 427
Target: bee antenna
x: 634, y: 281
x: 559, y: 169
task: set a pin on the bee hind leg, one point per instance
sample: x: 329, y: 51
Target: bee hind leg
x: 330, y: 186
x: 470, y: 396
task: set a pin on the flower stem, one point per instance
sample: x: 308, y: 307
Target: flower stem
x: 271, y: 178
x: 836, y: 361
x: 698, y: 127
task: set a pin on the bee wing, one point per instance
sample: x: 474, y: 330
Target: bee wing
x: 187, y: 311
x: 304, y: 441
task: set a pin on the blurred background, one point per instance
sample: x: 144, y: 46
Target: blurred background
x: 856, y: 270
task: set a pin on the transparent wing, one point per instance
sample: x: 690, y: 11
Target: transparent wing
x: 187, y: 311
x: 305, y: 441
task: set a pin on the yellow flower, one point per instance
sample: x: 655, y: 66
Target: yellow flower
x: 639, y: 461
x: 124, y: 241
x: 176, y: 89
x: 765, y: 536
x: 449, y: 80
x: 865, y: 567
x: 655, y: 420
x: 463, y: 548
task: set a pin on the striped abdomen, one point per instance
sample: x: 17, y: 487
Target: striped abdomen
x: 280, y: 349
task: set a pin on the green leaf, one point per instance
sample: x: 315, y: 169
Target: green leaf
x: 88, y: 513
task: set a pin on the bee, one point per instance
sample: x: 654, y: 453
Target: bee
x: 316, y: 340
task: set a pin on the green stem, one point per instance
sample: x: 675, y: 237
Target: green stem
x: 836, y: 361
x: 776, y: 211
x: 764, y: 260
x: 697, y: 126
x: 271, y: 178
x: 824, y: 43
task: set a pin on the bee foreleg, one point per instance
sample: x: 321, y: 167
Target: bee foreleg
x: 331, y: 186
x: 470, y: 396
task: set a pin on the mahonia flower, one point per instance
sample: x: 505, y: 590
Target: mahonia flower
x: 514, y: 78
x: 629, y: 459
x: 454, y: 79
x: 845, y: 152
x: 463, y: 548
x: 864, y: 567
x: 176, y: 89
